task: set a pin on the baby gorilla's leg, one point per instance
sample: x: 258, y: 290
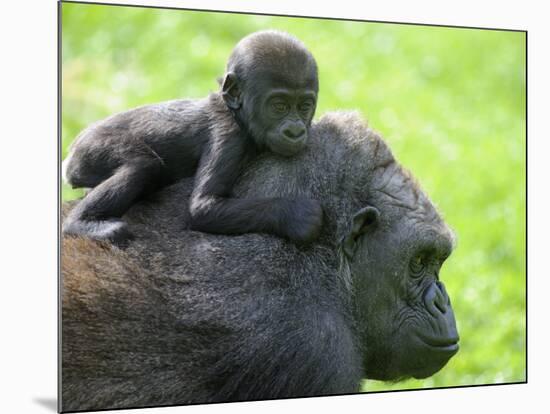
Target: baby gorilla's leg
x: 98, y: 215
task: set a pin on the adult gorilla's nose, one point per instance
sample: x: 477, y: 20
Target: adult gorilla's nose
x: 436, y: 299
x: 438, y: 304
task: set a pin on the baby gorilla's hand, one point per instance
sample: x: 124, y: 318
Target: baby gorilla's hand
x: 304, y: 221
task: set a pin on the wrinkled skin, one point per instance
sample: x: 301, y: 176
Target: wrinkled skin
x: 187, y: 317
x: 422, y: 335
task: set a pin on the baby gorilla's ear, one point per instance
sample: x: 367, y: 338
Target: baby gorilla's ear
x: 231, y: 92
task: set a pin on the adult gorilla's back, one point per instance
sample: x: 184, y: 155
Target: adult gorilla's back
x: 185, y: 317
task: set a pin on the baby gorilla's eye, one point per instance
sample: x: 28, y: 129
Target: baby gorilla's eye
x: 306, y: 106
x: 416, y: 266
x: 280, y: 107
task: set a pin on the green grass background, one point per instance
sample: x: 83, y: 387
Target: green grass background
x: 450, y: 102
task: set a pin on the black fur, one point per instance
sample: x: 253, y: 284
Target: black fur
x: 187, y: 317
x: 131, y: 154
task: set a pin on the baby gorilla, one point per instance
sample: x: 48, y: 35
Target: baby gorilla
x: 267, y: 101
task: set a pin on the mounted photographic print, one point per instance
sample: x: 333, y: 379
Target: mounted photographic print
x: 259, y: 207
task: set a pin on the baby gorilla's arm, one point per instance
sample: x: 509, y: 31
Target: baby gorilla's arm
x: 214, y: 211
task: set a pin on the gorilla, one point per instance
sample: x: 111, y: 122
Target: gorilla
x: 266, y: 103
x: 183, y: 317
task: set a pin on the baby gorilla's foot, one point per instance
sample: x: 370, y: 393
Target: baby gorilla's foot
x: 112, y: 230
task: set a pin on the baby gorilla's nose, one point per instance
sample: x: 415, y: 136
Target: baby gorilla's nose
x: 294, y: 130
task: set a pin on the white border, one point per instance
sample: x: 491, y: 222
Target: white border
x: 28, y: 304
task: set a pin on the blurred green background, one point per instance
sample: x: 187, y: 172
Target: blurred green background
x: 450, y: 102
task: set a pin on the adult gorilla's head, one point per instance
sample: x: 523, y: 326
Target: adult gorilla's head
x: 395, y: 248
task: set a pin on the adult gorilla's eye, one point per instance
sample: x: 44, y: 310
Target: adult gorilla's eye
x: 416, y: 266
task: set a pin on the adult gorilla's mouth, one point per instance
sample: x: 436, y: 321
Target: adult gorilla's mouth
x: 442, y: 344
x: 433, y: 354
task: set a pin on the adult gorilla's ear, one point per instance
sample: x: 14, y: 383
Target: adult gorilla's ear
x: 363, y: 221
x: 231, y: 92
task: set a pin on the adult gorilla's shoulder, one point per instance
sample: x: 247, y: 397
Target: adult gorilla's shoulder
x: 185, y: 317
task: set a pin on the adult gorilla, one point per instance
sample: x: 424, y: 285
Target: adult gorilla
x: 187, y: 317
